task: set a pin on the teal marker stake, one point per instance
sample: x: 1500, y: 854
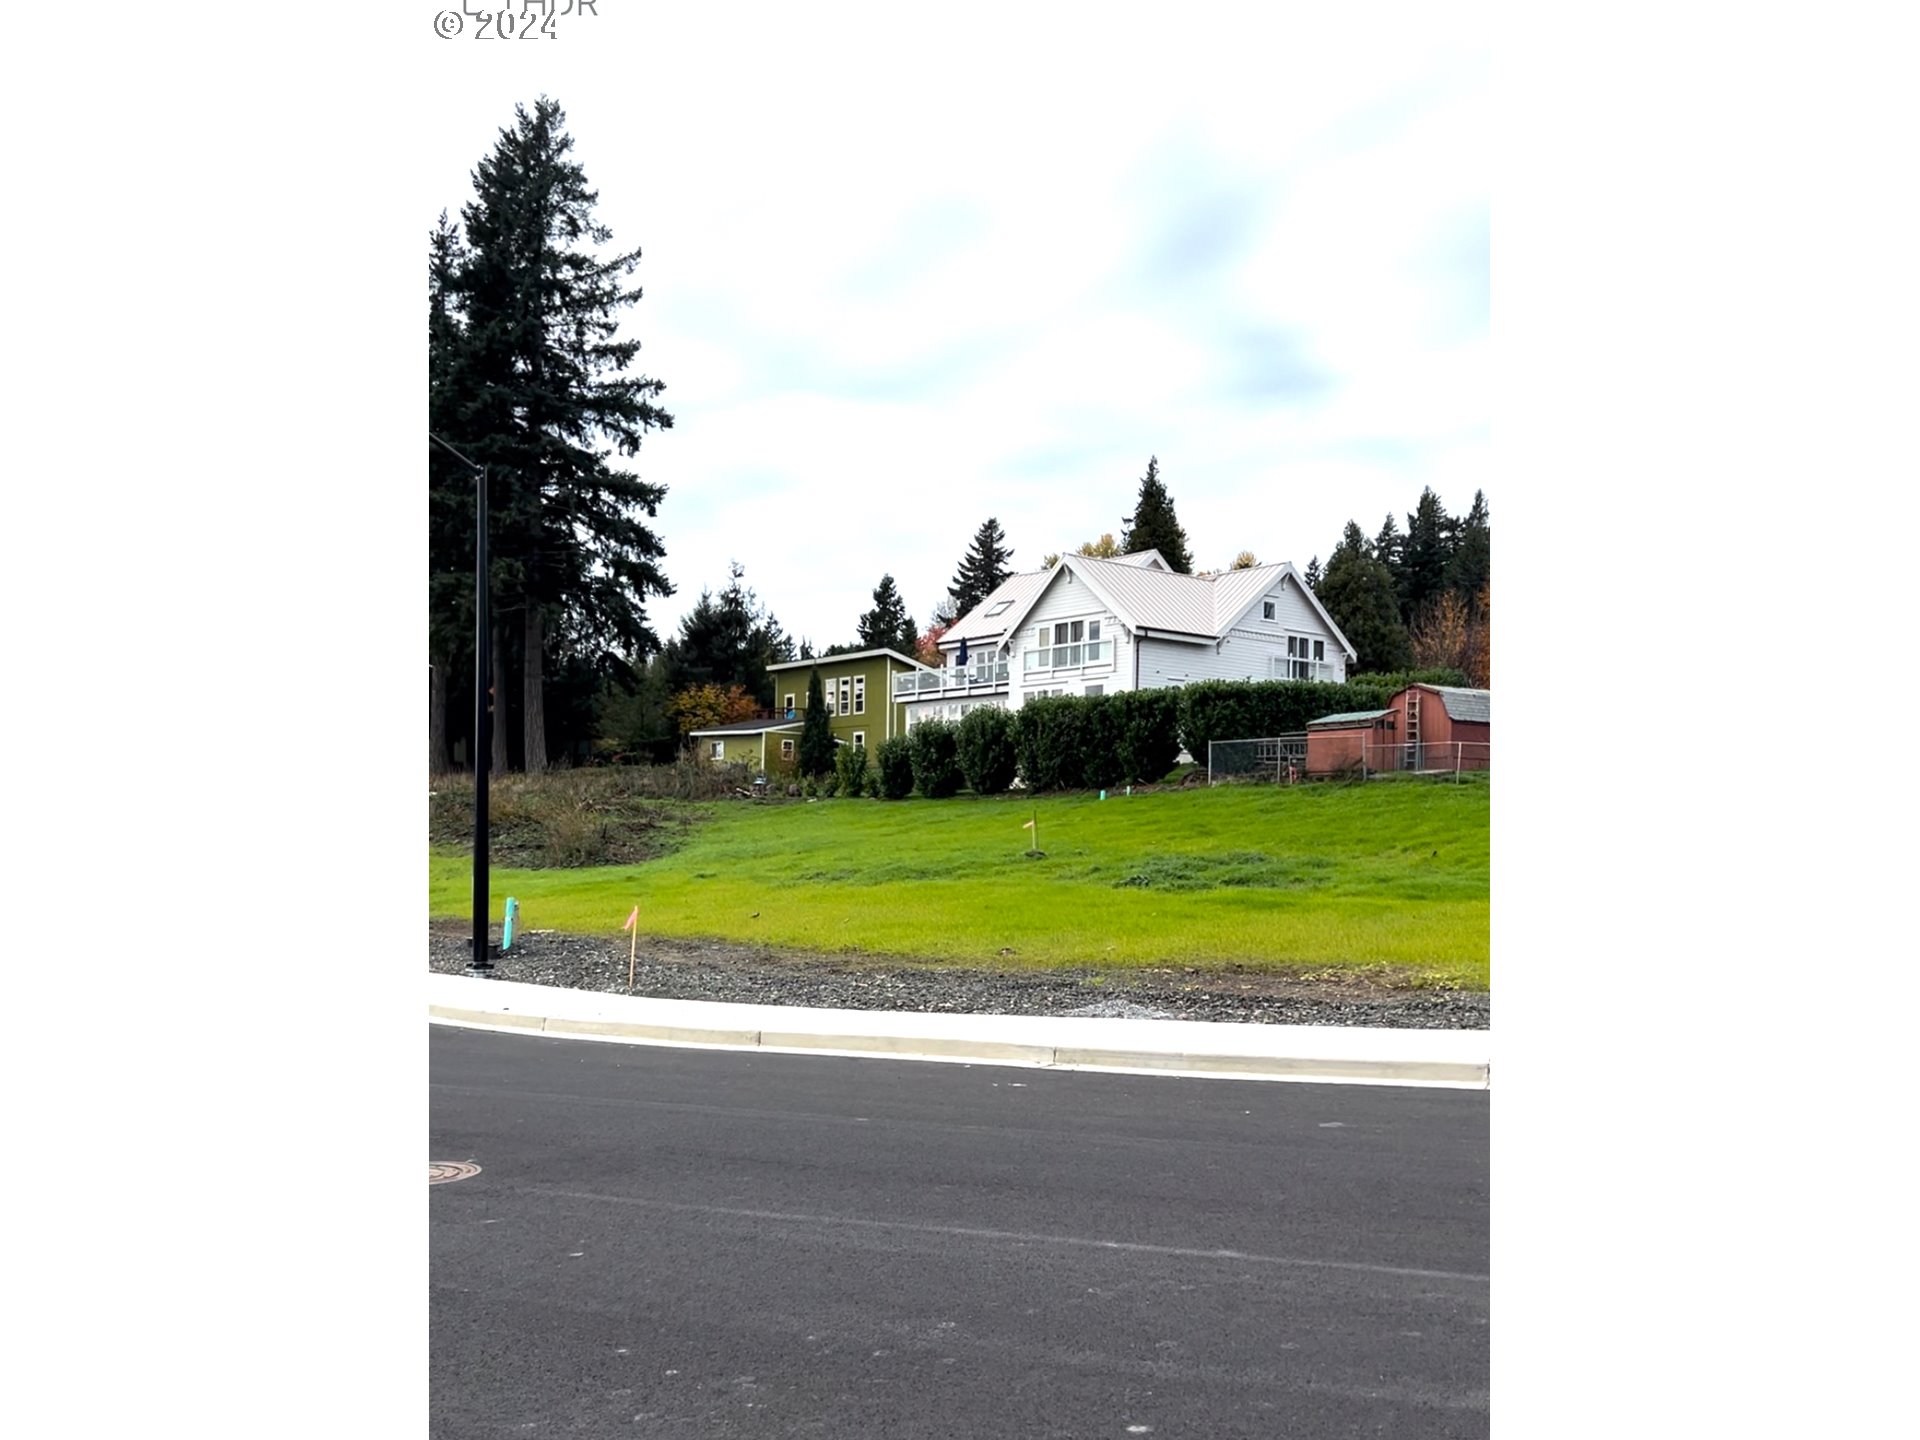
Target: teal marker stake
x: 506, y: 928
x: 1103, y: 794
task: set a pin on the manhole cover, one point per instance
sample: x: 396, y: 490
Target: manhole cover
x: 440, y: 1171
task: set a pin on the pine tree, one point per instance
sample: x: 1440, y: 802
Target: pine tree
x: 815, y: 752
x: 888, y: 625
x: 1428, y: 550
x: 1313, y: 575
x: 1357, y: 590
x: 1154, y: 526
x: 552, y: 394
x: 983, y: 569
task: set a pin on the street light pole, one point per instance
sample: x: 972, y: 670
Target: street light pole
x: 482, y: 962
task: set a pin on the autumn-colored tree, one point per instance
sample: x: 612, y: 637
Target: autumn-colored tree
x: 1450, y: 635
x: 1245, y: 560
x: 1481, y: 673
x: 1105, y: 548
x: 928, y: 652
x: 701, y: 707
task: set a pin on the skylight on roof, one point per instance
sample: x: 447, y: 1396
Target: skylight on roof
x: 997, y: 608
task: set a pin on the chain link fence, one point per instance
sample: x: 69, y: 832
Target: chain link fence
x: 1284, y: 759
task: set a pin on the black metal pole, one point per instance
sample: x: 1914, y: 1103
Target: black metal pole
x: 482, y: 963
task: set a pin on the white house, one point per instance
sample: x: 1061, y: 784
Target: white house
x: 1091, y: 627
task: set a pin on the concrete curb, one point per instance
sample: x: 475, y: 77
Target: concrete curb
x: 1453, y: 1059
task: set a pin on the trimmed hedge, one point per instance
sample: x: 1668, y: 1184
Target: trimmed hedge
x: 933, y: 749
x: 986, y: 749
x: 1255, y: 709
x: 1049, y: 742
x: 893, y: 759
x: 1149, y: 733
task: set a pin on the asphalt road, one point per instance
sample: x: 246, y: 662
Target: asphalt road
x: 705, y: 1243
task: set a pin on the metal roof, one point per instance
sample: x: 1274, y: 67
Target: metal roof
x: 976, y: 624
x: 747, y: 727
x: 1153, y: 599
x: 1347, y: 717
x: 850, y: 655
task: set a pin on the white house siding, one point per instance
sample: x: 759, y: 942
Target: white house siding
x: 1255, y: 640
x: 1070, y: 598
x: 1165, y: 663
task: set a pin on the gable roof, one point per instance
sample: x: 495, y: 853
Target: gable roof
x: 1460, y: 702
x: 850, y: 655
x: 1145, y: 596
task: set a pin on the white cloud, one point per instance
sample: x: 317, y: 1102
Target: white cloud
x: 904, y: 274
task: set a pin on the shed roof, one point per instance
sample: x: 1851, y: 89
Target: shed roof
x: 1460, y: 703
x: 1347, y: 717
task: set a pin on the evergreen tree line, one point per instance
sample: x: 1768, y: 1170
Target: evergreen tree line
x: 1418, y: 597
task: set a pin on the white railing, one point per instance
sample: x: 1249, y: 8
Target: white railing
x: 943, y: 682
x: 1295, y: 669
x: 1068, y: 657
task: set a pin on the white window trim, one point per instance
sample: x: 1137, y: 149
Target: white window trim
x: 859, y: 694
x: 719, y: 750
x: 786, y: 749
x: 860, y: 737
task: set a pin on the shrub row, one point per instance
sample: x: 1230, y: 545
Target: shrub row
x: 1254, y: 709
x: 1095, y: 742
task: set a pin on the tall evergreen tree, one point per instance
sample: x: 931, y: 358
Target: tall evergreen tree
x: 1429, y: 547
x: 727, y: 640
x: 553, y: 394
x: 1154, y: 526
x: 888, y: 625
x: 1358, y: 591
x: 814, y: 754
x: 983, y: 569
x: 1313, y: 574
x: 1389, y: 548
x: 1470, y: 568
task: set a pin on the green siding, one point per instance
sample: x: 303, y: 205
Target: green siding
x: 877, y: 670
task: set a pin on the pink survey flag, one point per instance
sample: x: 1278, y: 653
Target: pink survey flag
x: 627, y: 924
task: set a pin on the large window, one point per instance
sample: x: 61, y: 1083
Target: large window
x: 846, y: 696
x: 859, y: 695
x: 1306, y: 658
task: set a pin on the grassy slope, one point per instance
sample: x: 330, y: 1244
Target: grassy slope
x: 1392, y: 874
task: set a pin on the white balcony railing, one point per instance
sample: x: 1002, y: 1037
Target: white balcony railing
x: 1295, y: 669
x: 1067, y: 657
x: 933, y: 683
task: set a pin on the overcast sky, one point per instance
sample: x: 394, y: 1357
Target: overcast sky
x: 902, y: 275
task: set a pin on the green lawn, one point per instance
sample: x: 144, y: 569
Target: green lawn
x: 1389, y: 874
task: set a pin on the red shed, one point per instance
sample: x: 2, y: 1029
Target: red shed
x: 1349, y: 740
x: 1439, y: 727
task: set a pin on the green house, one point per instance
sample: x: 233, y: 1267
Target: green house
x: 764, y: 746
x: 857, y: 688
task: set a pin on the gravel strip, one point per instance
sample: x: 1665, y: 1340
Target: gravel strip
x: 716, y: 970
